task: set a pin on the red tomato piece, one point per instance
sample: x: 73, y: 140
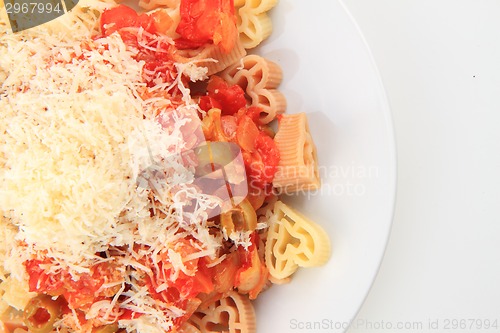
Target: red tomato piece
x: 262, y: 164
x: 116, y: 18
x: 230, y: 98
x: 185, y: 287
x: 129, y: 314
x: 147, y: 22
x: 215, y: 83
x: 203, y: 279
x: 206, y: 103
x: 40, y: 281
x: 205, y: 21
x: 81, y: 293
x: 191, y: 35
x: 78, y: 293
x: 121, y: 16
x: 266, y: 147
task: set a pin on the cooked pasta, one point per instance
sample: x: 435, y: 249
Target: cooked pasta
x: 233, y: 314
x: 254, y: 25
x: 212, y: 57
x: 15, y: 293
x: 259, y: 78
x: 298, y: 167
x: 139, y: 170
x: 293, y: 241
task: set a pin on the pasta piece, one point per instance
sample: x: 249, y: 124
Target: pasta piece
x: 232, y: 314
x: 46, y: 305
x: 189, y: 328
x: 298, y: 166
x: 240, y: 218
x: 15, y: 293
x: 9, y: 318
x: 254, y: 25
x: 293, y: 241
x: 212, y: 57
x: 259, y: 78
x: 81, y: 18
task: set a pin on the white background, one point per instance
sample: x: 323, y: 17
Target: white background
x: 440, y: 64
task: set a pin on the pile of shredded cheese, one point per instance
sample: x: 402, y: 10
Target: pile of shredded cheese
x: 77, y: 139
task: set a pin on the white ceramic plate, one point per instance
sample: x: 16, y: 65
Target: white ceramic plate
x: 330, y: 74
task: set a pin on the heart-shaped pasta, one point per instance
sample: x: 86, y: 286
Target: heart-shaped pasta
x: 254, y: 25
x: 293, y: 241
x: 259, y: 78
x: 298, y: 166
x: 234, y: 313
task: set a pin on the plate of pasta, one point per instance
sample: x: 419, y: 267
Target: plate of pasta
x: 190, y: 166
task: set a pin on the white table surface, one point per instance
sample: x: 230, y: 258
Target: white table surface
x: 440, y: 64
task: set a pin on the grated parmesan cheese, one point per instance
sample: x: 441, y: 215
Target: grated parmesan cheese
x: 81, y: 152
